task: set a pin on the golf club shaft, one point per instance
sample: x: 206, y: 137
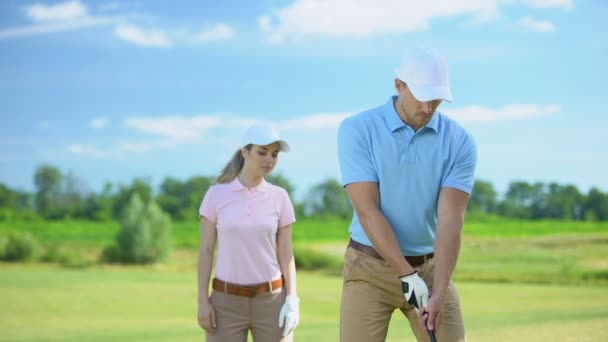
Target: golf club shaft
x: 432, y: 335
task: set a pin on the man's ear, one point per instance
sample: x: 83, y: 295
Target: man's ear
x: 399, y: 85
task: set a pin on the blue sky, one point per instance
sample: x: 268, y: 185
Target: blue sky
x: 112, y: 90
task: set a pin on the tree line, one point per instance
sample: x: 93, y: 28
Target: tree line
x: 59, y: 195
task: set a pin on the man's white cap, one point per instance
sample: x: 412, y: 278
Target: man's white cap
x: 425, y: 71
x: 263, y: 134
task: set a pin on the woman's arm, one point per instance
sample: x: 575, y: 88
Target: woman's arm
x: 206, y: 313
x: 286, y: 260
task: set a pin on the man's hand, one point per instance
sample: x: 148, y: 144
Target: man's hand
x: 290, y: 314
x: 415, y: 290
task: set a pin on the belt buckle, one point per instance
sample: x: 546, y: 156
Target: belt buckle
x: 253, y: 290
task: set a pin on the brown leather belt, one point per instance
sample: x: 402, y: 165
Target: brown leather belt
x: 414, y: 261
x: 246, y: 290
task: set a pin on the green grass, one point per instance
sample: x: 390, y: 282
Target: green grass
x: 158, y: 303
x: 496, y: 250
x: 186, y: 234
x: 519, y: 280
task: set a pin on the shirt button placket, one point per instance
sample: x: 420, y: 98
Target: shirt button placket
x: 249, y: 202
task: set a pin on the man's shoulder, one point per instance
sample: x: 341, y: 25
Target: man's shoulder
x: 450, y: 125
x: 451, y: 129
x: 365, y: 118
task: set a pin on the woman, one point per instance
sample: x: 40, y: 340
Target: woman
x: 255, y: 276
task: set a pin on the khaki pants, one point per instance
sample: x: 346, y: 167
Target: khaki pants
x: 235, y: 315
x: 372, y: 291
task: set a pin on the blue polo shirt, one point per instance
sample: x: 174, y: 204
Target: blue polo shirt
x: 409, y: 167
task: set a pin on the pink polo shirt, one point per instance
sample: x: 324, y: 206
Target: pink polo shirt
x: 247, y: 221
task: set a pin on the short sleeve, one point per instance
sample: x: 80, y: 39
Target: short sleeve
x: 356, y: 164
x: 462, y: 175
x: 287, y: 214
x: 208, y: 207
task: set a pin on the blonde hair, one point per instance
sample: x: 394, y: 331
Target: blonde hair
x: 233, y: 168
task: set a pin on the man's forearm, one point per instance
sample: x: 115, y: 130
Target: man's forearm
x: 447, y: 249
x: 383, y: 238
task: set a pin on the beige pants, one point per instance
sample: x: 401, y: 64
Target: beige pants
x: 372, y: 291
x: 236, y: 315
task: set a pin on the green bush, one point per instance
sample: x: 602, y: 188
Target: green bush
x: 20, y: 247
x: 68, y: 257
x: 3, y: 245
x: 144, y: 235
x: 312, y: 260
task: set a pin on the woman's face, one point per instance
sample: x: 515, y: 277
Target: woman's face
x: 261, y: 160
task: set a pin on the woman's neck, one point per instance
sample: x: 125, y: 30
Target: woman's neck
x: 250, y: 181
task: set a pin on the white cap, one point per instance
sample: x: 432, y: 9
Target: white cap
x: 425, y: 71
x: 263, y: 134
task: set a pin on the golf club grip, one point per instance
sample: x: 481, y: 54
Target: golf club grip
x: 432, y: 335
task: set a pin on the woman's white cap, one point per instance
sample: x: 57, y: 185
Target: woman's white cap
x: 425, y: 71
x: 263, y: 134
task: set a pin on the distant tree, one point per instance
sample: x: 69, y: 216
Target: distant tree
x: 328, y: 199
x: 48, y: 190
x: 145, y: 233
x: 172, y: 197
x: 195, y: 189
x: 8, y: 197
x: 483, y: 199
x: 8, y: 202
x: 73, y: 194
x: 138, y: 186
x: 522, y: 200
x: 562, y: 202
x: 98, y: 207
x: 596, y: 205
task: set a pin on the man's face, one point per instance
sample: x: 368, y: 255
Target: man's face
x: 413, y: 112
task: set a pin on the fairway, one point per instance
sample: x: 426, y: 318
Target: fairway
x: 46, y: 303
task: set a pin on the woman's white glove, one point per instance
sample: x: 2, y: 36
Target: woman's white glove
x: 290, y: 314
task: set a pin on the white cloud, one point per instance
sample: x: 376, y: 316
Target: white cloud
x: 175, y: 127
x: 217, y: 33
x: 535, y: 25
x: 364, y: 18
x: 89, y: 151
x: 314, y: 121
x: 138, y: 36
x: 99, y: 123
x: 136, y: 146
x: 61, y: 12
x: 360, y: 18
x: 60, y: 17
x: 478, y: 114
x: 565, y: 4
x: 172, y: 131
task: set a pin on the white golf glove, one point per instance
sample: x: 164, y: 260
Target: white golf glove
x: 290, y: 314
x: 415, y: 290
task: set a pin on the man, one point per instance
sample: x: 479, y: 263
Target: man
x: 409, y: 171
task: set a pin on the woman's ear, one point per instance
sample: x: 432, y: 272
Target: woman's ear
x: 244, y: 152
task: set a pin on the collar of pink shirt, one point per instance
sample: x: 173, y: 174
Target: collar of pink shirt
x: 236, y: 185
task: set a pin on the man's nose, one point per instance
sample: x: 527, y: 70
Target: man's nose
x: 427, y: 107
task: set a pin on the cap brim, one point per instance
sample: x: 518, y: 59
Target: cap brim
x: 430, y: 93
x: 283, y: 145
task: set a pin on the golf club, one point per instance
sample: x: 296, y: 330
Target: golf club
x: 432, y: 335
